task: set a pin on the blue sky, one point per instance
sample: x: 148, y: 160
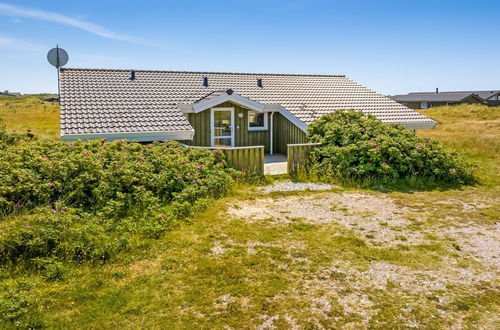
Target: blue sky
x: 389, y: 46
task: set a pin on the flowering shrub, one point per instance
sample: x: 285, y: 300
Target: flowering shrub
x: 359, y: 146
x: 85, y: 200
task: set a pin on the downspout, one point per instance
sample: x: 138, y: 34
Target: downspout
x: 271, y: 135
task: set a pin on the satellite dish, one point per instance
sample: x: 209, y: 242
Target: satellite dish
x: 57, y: 57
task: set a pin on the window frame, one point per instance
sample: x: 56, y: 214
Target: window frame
x: 257, y: 128
x: 212, y: 128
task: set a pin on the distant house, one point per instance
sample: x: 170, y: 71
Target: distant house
x: 213, y: 108
x: 424, y: 100
x: 51, y: 99
x: 7, y: 93
x: 491, y: 97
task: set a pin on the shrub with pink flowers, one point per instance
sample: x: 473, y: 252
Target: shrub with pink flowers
x: 85, y: 175
x: 359, y: 146
x: 114, y: 190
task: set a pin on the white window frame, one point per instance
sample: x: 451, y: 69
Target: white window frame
x: 262, y: 128
x: 212, y: 122
x: 424, y: 107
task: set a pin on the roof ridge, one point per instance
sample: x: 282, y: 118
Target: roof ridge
x: 208, y: 72
x: 444, y: 92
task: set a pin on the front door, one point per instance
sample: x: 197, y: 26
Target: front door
x: 222, y: 127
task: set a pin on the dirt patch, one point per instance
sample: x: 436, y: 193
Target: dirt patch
x: 377, y: 218
x: 354, y: 289
x: 481, y: 242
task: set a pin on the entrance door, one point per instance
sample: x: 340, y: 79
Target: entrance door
x: 222, y: 127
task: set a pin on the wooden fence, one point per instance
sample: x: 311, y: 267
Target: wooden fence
x: 297, y: 156
x: 244, y: 159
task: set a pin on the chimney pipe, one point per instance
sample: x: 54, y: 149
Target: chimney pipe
x: 437, y: 90
x: 205, y: 81
x: 259, y: 82
x: 132, y: 75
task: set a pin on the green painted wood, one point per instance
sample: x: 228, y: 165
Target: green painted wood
x: 246, y: 159
x: 296, y: 156
x: 286, y: 133
x: 243, y: 137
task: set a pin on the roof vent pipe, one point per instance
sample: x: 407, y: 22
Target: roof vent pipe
x: 132, y: 75
x: 437, y: 90
x: 205, y: 81
x: 259, y: 82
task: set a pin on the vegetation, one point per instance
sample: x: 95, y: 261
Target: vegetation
x: 359, y: 146
x: 30, y: 114
x: 90, y: 200
x: 216, y: 270
x: 474, y: 130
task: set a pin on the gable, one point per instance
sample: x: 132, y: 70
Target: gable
x: 472, y: 99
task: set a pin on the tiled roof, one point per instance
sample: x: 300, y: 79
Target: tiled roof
x: 105, y: 101
x: 454, y: 96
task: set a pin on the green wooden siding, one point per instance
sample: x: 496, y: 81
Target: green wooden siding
x: 201, y: 124
x: 284, y: 131
x: 243, y: 137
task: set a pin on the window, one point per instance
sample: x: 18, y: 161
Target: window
x: 221, y: 127
x: 257, y: 121
x: 424, y: 105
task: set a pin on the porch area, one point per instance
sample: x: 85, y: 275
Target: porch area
x: 252, y: 159
x: 275, y: 164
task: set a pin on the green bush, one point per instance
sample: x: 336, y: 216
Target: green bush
x: 90, y: 200
x: 98, y: 175
x: 359, y: 146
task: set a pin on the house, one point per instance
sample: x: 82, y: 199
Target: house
x: 213, y: 108
x: 51, y: 99
x: 424, y: 100
x: 492, y: 97
x: 7, y: 93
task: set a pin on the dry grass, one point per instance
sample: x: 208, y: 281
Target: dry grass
x: 472, y: 129
x: 30, y: 113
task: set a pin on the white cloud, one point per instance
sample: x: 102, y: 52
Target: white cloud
x: 16, y: 44
x: 16, y: 11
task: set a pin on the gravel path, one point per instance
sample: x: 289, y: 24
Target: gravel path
x: 295, y: 186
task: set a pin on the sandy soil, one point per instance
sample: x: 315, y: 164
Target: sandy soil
x: 378, y: 220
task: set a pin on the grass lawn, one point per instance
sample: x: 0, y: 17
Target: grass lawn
x: 343, y: 258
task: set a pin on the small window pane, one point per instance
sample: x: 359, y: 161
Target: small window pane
x: 256, y: 119
x: 222, y: 123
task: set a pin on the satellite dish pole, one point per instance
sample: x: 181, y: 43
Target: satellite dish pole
x: 58, y: 75
x: 58, y: 57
